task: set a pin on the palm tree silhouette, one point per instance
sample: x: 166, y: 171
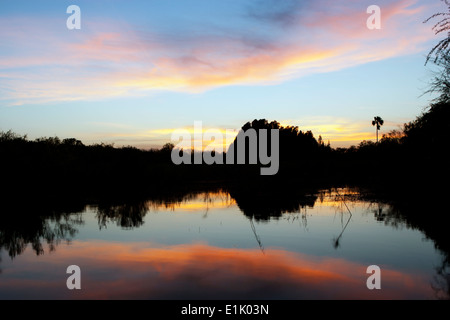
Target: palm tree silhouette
x: 378, y: 122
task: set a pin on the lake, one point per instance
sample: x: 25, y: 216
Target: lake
x: 221, y: 245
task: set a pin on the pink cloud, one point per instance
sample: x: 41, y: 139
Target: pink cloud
x: 106, y: 60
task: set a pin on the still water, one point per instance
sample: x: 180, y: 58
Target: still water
x: 213, y: 245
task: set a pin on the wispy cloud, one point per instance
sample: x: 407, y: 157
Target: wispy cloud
x: 221, y: 138
x: 284, y: 13
x: 105, y: 60
x: 340, y: 131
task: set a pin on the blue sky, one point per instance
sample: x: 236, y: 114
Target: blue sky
x: 136, y: 71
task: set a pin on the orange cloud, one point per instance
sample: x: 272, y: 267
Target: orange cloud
x: 108, y: 61
x: 341, y: 132
x: 164, y: 135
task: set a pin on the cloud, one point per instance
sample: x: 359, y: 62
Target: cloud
x: 340, y: 131
x: 220, y: 138
x: 284, y: 13
x: 106, y: 59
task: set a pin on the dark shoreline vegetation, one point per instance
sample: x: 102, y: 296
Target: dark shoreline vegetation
x: 54, y: 178
x: 411, y: 160
x: 48, y: 182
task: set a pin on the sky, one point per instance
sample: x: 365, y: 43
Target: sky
x: 136, y: 71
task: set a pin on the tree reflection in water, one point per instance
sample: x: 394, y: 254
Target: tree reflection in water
x: 50, y: 224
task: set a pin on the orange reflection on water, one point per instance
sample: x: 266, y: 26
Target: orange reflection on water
x: 201, y: 271
x: 198, y: 203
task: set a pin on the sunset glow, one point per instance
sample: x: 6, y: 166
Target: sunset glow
x: 137, y: 69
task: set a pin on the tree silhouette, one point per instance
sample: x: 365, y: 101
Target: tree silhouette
x: 378, y: 122
x: 441, y: 48
x: 441, y: 52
